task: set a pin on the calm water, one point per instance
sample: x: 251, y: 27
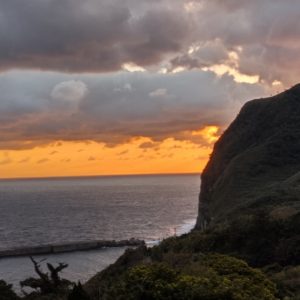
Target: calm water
x: 34, y: 212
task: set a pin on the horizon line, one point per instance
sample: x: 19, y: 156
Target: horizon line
x: 95, y: 176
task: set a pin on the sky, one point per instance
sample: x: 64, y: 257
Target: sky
x: 106, y: 87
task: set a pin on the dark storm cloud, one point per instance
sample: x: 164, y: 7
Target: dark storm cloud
x: 100, y: 36
x: 85, y: 36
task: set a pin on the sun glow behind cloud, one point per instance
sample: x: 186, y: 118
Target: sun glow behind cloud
x: 238, y: 77
x: 209, y: 133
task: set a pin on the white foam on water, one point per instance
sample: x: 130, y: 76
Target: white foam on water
x: 186, y: 227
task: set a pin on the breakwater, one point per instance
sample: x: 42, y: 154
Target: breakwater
x: 69, y: 247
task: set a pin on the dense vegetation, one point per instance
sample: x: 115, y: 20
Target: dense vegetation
x: 6, y: 292
x: 215, y: 264
x: 259, y: 239
x: 202, y: 277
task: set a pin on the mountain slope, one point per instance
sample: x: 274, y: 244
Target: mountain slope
x: 256, y: 162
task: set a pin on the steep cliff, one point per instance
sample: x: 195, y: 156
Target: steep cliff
x: 256, y: 162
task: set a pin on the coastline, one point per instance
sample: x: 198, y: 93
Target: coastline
x: 82, y: 264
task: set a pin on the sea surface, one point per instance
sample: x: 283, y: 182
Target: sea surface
x: 59, y: 210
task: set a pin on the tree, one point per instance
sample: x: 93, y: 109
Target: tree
x: 47, y: 284
x: 78, y: 293
x: 6, y: 292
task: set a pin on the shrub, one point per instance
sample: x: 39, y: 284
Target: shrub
x: 211, y: 277
x: 6, y: 292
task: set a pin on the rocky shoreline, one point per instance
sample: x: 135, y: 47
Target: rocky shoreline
x: 70, y: 247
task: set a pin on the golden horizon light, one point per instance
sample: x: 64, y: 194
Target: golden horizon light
x: 139, y: 156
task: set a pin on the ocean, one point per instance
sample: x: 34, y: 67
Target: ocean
x: 60, y: 210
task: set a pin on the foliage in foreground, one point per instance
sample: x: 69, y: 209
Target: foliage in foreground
x: 46, y: 283
x: 6, y: 292
x: 47, y: 286
x: 206, y: 278
x: 200, y: 277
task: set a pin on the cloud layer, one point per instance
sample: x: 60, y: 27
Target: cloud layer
x: 88, y: 36
x: 198, y: 57
x: 114, y: 108
x: 100, y: 36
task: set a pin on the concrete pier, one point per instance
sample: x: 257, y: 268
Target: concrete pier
x: 69, y: 247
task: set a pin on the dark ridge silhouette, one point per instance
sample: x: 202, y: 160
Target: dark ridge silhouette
x: 256, y: 162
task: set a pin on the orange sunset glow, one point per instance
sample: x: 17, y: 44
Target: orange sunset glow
x: 139, y: 156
